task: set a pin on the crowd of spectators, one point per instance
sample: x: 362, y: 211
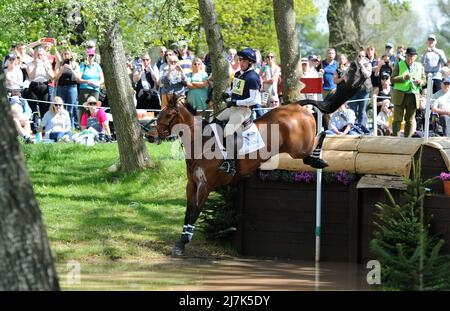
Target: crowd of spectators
x: 39, y: 78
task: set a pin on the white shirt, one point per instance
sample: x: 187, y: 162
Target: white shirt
x: 442, y: 100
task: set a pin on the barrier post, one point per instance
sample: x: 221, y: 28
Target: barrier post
x: 375, y: 115
x: 428, y: 105
x: 318, y: 194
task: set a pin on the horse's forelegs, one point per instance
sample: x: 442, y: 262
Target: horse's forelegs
x: 196, y: 203
x: 314, y: 159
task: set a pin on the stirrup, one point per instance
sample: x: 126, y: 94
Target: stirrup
x: 228, y: 166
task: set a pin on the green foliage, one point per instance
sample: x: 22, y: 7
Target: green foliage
x: 219, y: 218
x: 143, y: 23
x: 407, y: 251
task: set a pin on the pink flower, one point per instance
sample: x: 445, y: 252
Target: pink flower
x: 444, y: 176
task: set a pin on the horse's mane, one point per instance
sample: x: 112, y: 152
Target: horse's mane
x: 190, y: 108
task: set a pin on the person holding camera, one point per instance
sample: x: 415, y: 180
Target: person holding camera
x: 40, y: 73
x: 173, y: 80
x: 67, y: 76
x: 433, y: 59
x: 147, y: 80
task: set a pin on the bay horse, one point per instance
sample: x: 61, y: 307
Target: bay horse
x: 297, y: 137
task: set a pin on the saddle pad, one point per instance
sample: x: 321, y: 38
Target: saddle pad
x: 252, y: 140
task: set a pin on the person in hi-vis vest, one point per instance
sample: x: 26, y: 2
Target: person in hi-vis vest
x: 408, y: 78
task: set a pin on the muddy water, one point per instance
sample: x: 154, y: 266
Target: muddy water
x: 226, y: 275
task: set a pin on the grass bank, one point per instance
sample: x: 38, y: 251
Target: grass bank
x: 93, y: 215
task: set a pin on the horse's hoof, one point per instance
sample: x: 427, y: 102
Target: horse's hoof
x: 177, y: 251
x: 315, y: 162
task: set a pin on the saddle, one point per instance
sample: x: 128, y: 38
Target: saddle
x: 245, y: 125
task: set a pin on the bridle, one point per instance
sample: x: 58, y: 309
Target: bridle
x: 163, y: 128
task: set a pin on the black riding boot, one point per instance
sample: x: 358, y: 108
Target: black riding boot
x: 228, y: 166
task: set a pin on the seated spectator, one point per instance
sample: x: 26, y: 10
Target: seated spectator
x: 442, y: 106
x: 384, y: 127
x: 96, y: 118
x: 21, y: 114
x: 56, y: 122
x: 342, y: 121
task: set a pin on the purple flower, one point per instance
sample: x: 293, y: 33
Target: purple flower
x: 303, y: 176
x: 444, y: 176
x: 263, y: 175
x: 343, y: 177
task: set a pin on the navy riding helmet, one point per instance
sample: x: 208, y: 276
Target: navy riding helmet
x: 248, y: 53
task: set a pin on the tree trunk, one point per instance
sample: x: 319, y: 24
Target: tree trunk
x: 26, y: 262
x: 217, y: 53
x: 284, y: 16
x: 344, y: 22
x: 132, y: 149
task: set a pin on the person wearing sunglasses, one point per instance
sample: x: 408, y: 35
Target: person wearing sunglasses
x: 91, y: 78
x: 56, y: 123
x: 197, y: 83
x: 244, y: 94
x: 146, y: 78
x: 270, y: 74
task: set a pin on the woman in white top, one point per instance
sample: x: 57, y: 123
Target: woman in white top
x: 56, y: 122
x: 270, y: 75
x: 13, y: 74
x: 39, y: 72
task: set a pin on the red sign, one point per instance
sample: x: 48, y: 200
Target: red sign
x: 312, y: 85
x: 48, y: 40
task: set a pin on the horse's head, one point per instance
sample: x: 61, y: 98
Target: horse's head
x: 168, y: 117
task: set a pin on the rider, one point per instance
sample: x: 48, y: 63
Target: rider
x: 245, y: 93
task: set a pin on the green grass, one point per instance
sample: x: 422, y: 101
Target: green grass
x: 92, y: 215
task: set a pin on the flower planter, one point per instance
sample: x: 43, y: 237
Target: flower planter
x: 447, y: 187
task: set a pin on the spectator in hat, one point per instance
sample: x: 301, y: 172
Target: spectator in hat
x: 91, y: 79
x: 389, y: 51
x: 313, y: 62
x: 185, y: 56
x: 385, y: 89
x: 442, y: 106
x: 13, y: 73
x: 95, y: 117
x: 433, y: 59
x: 408, y: 78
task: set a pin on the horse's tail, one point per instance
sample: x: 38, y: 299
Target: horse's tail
x: 319, y: 104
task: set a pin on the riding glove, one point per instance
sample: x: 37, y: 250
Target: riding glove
x: 231, y: 103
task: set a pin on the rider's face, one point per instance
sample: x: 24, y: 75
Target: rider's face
x: 244, y: 63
